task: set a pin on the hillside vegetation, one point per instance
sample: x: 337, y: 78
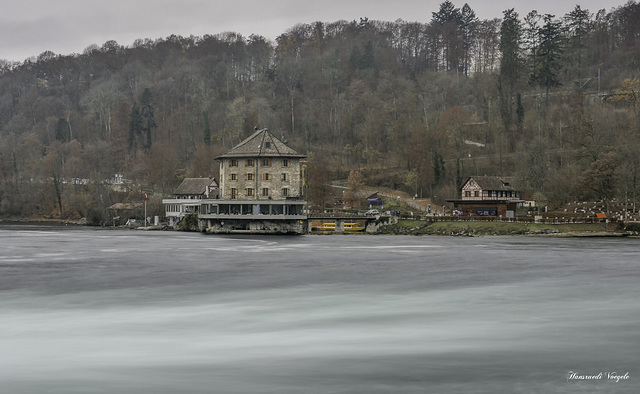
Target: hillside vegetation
x: 551, y: 100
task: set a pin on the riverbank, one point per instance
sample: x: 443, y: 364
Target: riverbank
x: 418, y: 227
x: 469, y: 228
x: 43, y: 221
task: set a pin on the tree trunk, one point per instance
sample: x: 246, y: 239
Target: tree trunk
x: 56, y: 185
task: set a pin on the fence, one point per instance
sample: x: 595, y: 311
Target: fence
x: 544, y: 220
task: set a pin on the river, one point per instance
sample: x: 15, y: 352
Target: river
x: 86, y: 310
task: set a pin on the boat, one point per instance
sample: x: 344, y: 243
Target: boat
x: 353, y: 227
x: 348, y: 227
x: 328, y: 227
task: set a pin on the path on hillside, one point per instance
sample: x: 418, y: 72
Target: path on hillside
x: 420, y: 204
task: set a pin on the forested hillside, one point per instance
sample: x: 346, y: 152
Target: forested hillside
x: 551, y: 100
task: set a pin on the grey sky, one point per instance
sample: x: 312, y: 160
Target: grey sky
x: 31, y: 27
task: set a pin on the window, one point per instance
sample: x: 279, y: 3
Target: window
x: 267, y: 144
x: 265, y: 192
x: 467, y: 194
x: 233, y: 163
x: 266, y: 177
x: 249, y: 192
x: 249, y: 163
x: 266, y: 162
x: 285, y: 162
x: 476, y: 194
x: 284, y: 177
x: 249, y: 176
x: 285, y: 192
x: 234, y: 193
x: 233, y: 177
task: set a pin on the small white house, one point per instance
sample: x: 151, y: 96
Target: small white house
x: 187, y: 197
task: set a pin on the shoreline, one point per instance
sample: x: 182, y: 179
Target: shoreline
x: 481, y: 228
x: 417, y: 228
x: 43, y: 221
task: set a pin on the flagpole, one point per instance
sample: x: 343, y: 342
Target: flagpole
x: 145, y: 208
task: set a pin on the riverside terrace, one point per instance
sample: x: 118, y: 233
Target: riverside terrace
x: 253, y: 216
x: 288, y: 216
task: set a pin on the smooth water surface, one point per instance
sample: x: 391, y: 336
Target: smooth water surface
x: 121, y: 311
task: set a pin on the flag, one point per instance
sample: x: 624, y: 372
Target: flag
x: 145, y: 196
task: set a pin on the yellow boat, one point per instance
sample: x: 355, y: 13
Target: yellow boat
x: 348, y: 227
x: 328, y: 227
x: 353, y: 227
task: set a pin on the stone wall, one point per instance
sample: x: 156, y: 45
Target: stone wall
x: 257, y: 175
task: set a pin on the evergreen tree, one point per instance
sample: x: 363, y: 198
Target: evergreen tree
x: 510, y: 65
x: 146, y: 111
x: 135, y: 128
x: 368, y: 56
x: 207, y: 128
x: 62, y: 130
x: 578, y: 25
x: 549, y: 54
x: 448, y: 21
x: 510, y: 48
x: 355, y: 59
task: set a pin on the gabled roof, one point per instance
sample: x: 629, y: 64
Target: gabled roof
x: 195, y: 186
x: 261, y: 144
x: 492, y: 182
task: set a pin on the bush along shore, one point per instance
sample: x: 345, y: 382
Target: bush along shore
x: 468, y: 228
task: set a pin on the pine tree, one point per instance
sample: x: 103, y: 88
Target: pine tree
x: 550, y: 53
x: 135, y: 128
x: 146, y: 110
x: 62, y: 130
x: 578, y: 26
x: 510, y: 65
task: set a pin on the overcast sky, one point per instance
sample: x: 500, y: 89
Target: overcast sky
x: 30, y: 27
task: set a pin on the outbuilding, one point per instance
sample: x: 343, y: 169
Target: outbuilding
x: 488, y: 196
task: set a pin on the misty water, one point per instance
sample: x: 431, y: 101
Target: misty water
x: 122, y: 311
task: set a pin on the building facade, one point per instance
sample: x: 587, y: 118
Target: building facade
x: 187, y: 197
x: 488, y: 196
x: 260, y: 168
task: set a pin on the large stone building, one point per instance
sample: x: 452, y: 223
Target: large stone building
x: 260, y: 190
x: 260, y: 168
